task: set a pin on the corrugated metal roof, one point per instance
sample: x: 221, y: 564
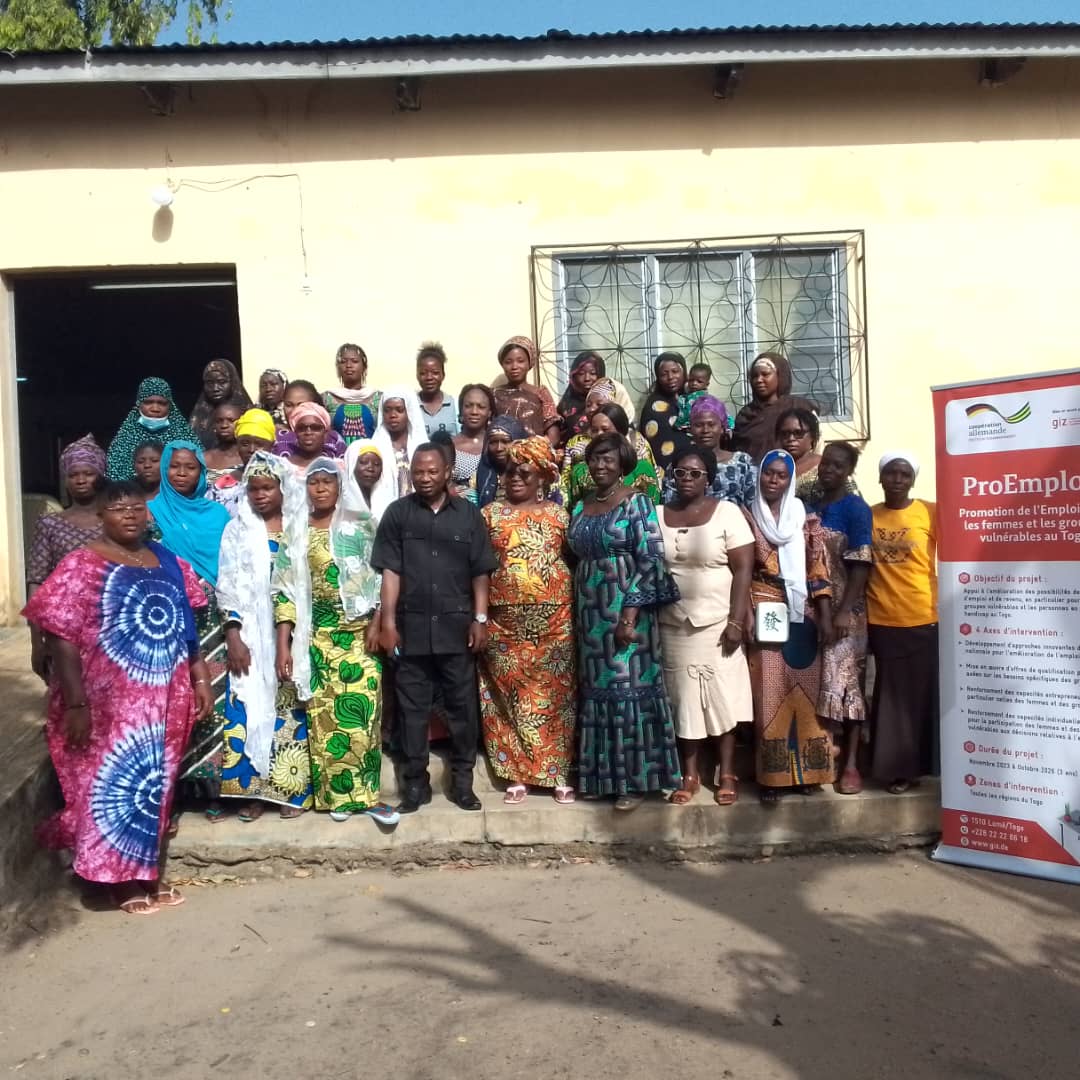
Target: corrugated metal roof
x: 616, y: 36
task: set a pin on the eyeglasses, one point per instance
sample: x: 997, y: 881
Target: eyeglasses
x: 125, y: 509
x: 793, y: 433
x: 688, y: 474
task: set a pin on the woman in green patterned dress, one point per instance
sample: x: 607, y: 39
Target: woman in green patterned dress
x: 328, y: 630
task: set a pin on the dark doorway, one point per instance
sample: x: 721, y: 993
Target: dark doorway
x: 84, y: 342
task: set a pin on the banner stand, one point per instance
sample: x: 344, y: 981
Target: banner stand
x: 1008, y: 504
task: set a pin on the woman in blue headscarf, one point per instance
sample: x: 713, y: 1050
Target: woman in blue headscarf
x: 793, y: 747
x: 190, y: 525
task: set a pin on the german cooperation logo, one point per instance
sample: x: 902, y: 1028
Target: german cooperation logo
x: 981, y: 407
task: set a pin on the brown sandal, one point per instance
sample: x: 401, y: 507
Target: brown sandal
x: 691, y: 786
x: 727, y: 798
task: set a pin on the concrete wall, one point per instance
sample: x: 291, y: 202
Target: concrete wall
x: 419, y: 225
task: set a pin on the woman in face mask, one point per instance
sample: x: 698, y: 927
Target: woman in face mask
x: 154, y: 418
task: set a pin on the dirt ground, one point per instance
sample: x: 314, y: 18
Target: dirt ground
x: 831, y: 967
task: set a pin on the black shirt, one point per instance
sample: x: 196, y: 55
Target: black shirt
x: 436, y: 555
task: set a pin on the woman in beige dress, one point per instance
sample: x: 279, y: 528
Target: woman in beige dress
x: 709, y: 551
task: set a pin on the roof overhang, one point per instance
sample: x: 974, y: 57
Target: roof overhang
x: 398, y: 58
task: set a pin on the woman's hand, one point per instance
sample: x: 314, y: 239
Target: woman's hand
x: 625, y: 629
x: 238, y: 655
x: 842, y: 624
x: 371, y: 638
x: 731, y: 639
x: 389, y: 638
x: 77, y: 727
x: 204, y: 699
x: 283, y: 665
x: 826, y: 634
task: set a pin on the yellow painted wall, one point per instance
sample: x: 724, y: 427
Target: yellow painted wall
x: 419, y: 225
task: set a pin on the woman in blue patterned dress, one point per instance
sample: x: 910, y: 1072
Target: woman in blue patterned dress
x: 626, y: 732
x: 266, y: 758
x: 847, y: 522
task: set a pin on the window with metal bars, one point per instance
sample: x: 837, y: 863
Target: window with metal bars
x: 720, y: 302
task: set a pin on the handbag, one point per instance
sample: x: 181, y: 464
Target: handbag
x: 771, y: 622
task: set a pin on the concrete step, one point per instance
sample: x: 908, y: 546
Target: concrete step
x: 873, y: 820
x: 484, y: 780
x: 29, y: 792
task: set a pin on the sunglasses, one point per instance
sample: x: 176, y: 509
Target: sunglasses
x: 688, y: 474
x: 793, y: 433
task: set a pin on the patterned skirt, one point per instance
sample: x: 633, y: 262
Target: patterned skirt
x: 200, y: 770
x: 528, y: 693
x: 288, y: 778
x: 792, y: 747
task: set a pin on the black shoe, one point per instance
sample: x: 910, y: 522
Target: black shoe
x: 466, y: 799
x: 413, y: 799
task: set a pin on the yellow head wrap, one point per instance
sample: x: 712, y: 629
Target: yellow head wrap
x: 256, y: 422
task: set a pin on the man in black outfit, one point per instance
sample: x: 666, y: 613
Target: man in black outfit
x: 435, y: 557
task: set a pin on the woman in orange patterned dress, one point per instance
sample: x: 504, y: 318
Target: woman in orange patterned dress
x: 528, y: 681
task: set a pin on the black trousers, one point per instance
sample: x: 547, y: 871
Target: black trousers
x: 417, y: 677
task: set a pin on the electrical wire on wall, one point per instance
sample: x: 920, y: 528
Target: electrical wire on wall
x: 213, y: 187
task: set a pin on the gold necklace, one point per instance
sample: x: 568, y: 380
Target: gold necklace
x: 137, y: 556
x: 604, y: 498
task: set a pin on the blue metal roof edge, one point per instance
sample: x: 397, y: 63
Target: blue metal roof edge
x: 562, y: 36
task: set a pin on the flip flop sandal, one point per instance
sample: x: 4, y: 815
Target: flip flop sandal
x: 727, y: 798
x: 138, y: 905
x: 215, y: 814
x: 515, y: 794
x: 287, y: 813
x: 251, y: 812
x: 383, y: 814
x: 898, y: 787
x: 626, y: 803
x: 169, y: 897
x: 564, y: 796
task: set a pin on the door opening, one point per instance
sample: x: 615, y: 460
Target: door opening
x: 84, y: 341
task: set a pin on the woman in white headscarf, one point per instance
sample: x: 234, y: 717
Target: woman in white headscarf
x: 266, y: 756
x: 325, y: 607
x: 792, y: 748
x: 399, y: 432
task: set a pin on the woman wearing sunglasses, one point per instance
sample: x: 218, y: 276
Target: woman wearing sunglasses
x: 709, y: 551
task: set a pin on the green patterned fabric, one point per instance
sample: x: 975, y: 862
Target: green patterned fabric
x: 344, y: 713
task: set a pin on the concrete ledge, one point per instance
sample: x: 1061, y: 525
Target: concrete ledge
x: 441, y: 832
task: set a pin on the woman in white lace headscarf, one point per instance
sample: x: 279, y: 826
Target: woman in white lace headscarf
x: 325, y: 607
x: 793, y: 747
x: 266, y: 756
x: 399, y: 432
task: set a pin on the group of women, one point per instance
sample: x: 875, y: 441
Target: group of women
x: 207, y: 617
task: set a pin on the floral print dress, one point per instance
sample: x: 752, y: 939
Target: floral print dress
x: 288, y: 780
x: 528, y: 683
x: 343, y: 713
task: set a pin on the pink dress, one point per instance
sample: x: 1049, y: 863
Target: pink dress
x: 130, y: 626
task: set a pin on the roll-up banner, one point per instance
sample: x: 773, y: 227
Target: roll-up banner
x: 1008, y: 501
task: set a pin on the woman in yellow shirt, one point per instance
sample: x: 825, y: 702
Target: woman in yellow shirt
x: 901, y: 602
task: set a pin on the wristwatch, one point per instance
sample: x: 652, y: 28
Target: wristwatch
x: 481, y: 619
